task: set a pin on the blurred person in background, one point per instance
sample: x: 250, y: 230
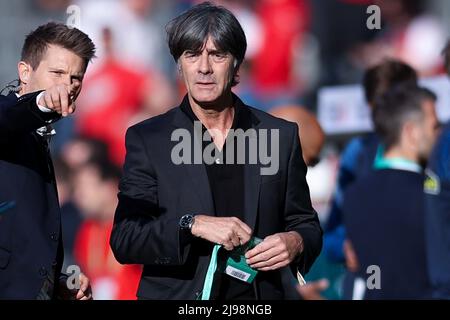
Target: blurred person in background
x: 407, y: 33
x: 437, y: 222
x: 311, y: 134
x: 160, y: 221
x: 95, y: 194
x: 384, y: 211
x: 336, y: 27
x: 75, y: 153
x: 138, y: 40
x: 71, y: 217
x: 358, y: 157
x: 53, y: 63
x: 283, y: 24
x: 81, y: 150
x: 117, y: 95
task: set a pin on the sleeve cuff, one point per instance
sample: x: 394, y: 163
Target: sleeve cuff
x: 41, y: 107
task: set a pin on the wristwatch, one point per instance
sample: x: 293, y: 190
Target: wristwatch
x: 186, y: 222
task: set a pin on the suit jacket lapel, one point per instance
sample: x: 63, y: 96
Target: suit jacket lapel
x: 252, y: 176
x: 252, y: 182
x: 196, y: 172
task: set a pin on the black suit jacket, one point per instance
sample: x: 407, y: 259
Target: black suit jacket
x: 155, y: 193
x: 30, y: 232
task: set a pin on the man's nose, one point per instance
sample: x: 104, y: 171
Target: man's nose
x: 67, y: 80
x: 205, y: 65
x: 71, y: 84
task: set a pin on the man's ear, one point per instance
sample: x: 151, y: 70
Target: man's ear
x: 412, y: 134
x: 24, y: 70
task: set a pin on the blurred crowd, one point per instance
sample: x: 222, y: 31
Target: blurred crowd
x: 295, y: 47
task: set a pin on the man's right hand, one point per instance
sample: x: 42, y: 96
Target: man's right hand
x: 312, y: 290
x: 228, y: 231
x: 58, y: 99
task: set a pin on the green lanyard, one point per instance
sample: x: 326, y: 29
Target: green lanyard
x: 236, y: 266
x: 394, y: 163
x: 210, y: 273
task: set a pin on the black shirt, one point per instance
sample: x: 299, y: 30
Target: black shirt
x: 226, y: 180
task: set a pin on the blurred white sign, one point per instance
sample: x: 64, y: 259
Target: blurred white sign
x: 343, y: 109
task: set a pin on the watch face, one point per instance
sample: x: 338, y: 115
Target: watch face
x: 185, y: 221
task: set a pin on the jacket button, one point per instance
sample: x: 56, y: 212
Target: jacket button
x: 53, y: 237
x: 43, y: 272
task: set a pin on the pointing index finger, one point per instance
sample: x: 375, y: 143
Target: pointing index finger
x: 64, y: 98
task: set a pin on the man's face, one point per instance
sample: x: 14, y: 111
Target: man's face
x: 429, y: 128
x: 58, y: 66
x: 207, y: 74
x: 92, y: 194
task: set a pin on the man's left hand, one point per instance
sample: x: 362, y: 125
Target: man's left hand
x: 276, y: 251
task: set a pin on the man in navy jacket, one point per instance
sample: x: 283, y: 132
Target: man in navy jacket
x: 54, y: 60
x: 437, y: 220
x: 385, y: 210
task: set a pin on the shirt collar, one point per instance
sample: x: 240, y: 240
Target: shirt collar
x: 241, y: 118
x: 381, y: 162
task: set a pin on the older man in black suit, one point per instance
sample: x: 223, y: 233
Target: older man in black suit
x: 200, y: 178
